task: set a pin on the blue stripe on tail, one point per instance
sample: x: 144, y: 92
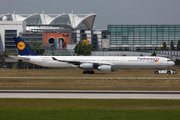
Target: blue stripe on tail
x: 23, y: 48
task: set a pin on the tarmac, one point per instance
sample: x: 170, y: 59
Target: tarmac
x: 52, y: 94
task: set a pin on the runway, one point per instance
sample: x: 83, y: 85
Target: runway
x: 89, y: 94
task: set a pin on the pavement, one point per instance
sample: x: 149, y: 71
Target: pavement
x: 53, y: 94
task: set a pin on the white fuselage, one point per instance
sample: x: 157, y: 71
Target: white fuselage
x: 118, y: 62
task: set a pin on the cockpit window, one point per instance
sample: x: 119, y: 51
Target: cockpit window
x: 168, y: 60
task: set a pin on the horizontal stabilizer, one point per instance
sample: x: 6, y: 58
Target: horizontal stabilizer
x: 19, y: 58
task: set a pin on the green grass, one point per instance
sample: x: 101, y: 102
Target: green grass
x: 89, y: 114
x: 85, y: 109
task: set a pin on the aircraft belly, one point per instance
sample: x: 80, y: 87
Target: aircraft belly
x: 140, y: 66
x: 62, y: 65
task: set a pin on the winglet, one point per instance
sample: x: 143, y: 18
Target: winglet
x: 23, y: 48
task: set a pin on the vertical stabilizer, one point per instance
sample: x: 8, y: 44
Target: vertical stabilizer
x: 23, y: 48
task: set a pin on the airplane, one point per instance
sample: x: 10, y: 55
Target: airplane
x: 89, y: 63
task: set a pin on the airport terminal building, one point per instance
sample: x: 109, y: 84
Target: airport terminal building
x: 57, y: 32
x: 142, y: 37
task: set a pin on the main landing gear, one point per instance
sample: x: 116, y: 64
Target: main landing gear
x: 88, y: 72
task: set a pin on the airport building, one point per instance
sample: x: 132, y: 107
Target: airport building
x: 58, y: 32
x: 142, y: 37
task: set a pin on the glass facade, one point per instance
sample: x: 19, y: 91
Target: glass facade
x: 31, y: 37
x: 9, y: 41
x: 143, y: 35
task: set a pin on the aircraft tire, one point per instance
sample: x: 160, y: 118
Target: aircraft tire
x: 168, y: 72
x: 156, y: 72
x: 88, y: 72
x: 91, y: 72
x: 84, y: 72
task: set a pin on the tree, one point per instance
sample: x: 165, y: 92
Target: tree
x: 178, y: 45
x: 36, y: 48
x: 83, y: 49
x: 164, y: 46
x: 172, y: 45
x: 153, y: 54
x: 177, y: 62
x: 78, y: 48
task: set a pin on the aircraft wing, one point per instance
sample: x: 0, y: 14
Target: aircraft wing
x: 71, y: 62
x: 79, y: 62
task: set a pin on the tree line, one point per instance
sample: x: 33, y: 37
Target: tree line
x: 171, y: 46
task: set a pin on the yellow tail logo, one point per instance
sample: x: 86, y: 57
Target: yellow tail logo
x: 21, y: 45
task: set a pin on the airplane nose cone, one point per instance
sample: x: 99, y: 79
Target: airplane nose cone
x: 172, y: 63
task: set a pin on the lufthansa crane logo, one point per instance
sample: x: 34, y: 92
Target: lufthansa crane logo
x: 21, y: 45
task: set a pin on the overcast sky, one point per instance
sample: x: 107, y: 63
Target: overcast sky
x: 108, y: 11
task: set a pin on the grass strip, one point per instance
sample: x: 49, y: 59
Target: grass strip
x: 89, y: 109
x: 90, y: 84
x: 87, y: 114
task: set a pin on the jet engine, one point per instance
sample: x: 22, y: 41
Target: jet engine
x: 87, y: 66
x: 105, y: 68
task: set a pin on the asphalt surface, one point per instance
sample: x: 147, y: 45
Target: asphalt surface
x: 89, y: 94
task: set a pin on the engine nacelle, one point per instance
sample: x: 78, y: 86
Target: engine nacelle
x: 105, y: 68
x: 87, y: 66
